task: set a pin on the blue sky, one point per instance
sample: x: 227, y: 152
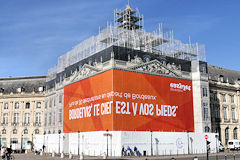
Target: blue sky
x: 34, y: 33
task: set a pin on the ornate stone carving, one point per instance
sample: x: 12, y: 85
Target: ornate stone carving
x: 85, y: 71
x: 157, y: 67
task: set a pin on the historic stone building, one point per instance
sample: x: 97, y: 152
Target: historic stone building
x: 21, y: 110
x: 224, y: 87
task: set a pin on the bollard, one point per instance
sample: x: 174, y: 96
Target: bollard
x: 234, y: 157
x: 225, y: 157
x: 26, y: 151
x: 104, y: 156
x: 53, y: 154
x: 41, y: 153
x: 195, y: 158
x: 70, y: 155
x: 81, y: 156
x: 62, y: 155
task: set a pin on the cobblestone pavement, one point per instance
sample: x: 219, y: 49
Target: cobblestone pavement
x: 220, y: 156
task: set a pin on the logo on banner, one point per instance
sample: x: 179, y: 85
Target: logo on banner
x: 179, y: 87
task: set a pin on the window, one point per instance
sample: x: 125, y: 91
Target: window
x: 26, y: 118
x: 207, y: 129
x: 60, y: 98
x: 204, y: 92
x: 205, y: 111
x: 25, y: 131
x: 38, y: 118
x: 60, y: 115
x: 224, y: 97
x: 217, y: 113
x: 215, y: 97
x: 36, y: 131
x: 233, y: 114
x: 45, y: 119
x: 46, y: 103
x: 54, y: 118
x: 54, y: 101
x: 5, y: 118
x: 27, y: 105
x: 226, y: 135
x: 15, y: 118
x: 50, y: 103
x: 14, y: 131
x: 50, y: 118
x: 225, y: 116
x: 232, y: 98
x: 235, y: 133
x: 16, y: 106
x: 14, y: 140
x: 221, y: 78
x: 38, y: 105
x: 4, y: 131
x: 5, y: 105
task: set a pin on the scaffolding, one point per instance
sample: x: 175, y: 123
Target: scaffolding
x: 128, y: 31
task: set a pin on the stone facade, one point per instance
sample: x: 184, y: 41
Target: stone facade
x: 21, y: 110
x: 225, y: 102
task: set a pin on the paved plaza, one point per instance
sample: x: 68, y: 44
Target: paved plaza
x: 219, y: 156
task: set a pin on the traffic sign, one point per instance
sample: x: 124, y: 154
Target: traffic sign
x: 206, y: 136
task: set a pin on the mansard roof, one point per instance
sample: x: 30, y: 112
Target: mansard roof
x: 228, y: 76
x: 22, y: 84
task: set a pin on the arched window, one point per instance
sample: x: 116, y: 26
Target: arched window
x: 36, y: 131
x: 235, y: 133
x: 4, y: 131
x: 25, y: 131
x: 226, y: 135
x: 14, y: 131
x: 207, y: 129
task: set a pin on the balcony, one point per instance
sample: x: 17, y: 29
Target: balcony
x: 217, y: 120
x: 4, y: 124
x: 235, y: 120
x: 26, y: 124
x: 15, y: 124
x: 37, y: 124
x: 226, y: 120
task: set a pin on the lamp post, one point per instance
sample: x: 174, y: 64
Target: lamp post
x: 32, y: 142
x: 216, y: 136
x: 78, y: 142
x: 0, y: 141
x: 21, y: 143
x: 44, y: 140
x: 107, y: 142
x: 59, y: 132
x: 188, y: 142
x: 151, y: 144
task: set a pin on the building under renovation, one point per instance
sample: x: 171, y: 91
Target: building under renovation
x: 85, y: 93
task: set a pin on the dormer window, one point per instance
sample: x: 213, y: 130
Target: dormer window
x: 221, y: 78
x: 40, y: 89
x: 1, y: 90
x: 20, y: 89
x: 238, y: 81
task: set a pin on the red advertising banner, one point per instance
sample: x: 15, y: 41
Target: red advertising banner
x: 128, y: 101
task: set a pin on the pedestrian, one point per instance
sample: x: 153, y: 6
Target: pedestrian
x: 128, y: 151
x: 123, y: 151
x: 43, y: 148
x: 135, y: 151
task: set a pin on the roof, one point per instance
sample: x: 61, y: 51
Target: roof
x: 27, y: 84
x: 230, y: 76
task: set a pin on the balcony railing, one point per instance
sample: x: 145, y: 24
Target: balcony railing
x: 37, y: 124
x: 4, y: 124
x: 235, y: 120
x: 15, y: 124
x: 26, y: 124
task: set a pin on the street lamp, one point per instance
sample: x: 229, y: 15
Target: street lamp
x: 44, y: 140
x: 151, y: 144
x: 107, y: 142
x: 78, y: 141
x: 59, y: 132
x: 188, y: 141
x: 21, y: 143
x: 32, y: 142
x: 216, y: 136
